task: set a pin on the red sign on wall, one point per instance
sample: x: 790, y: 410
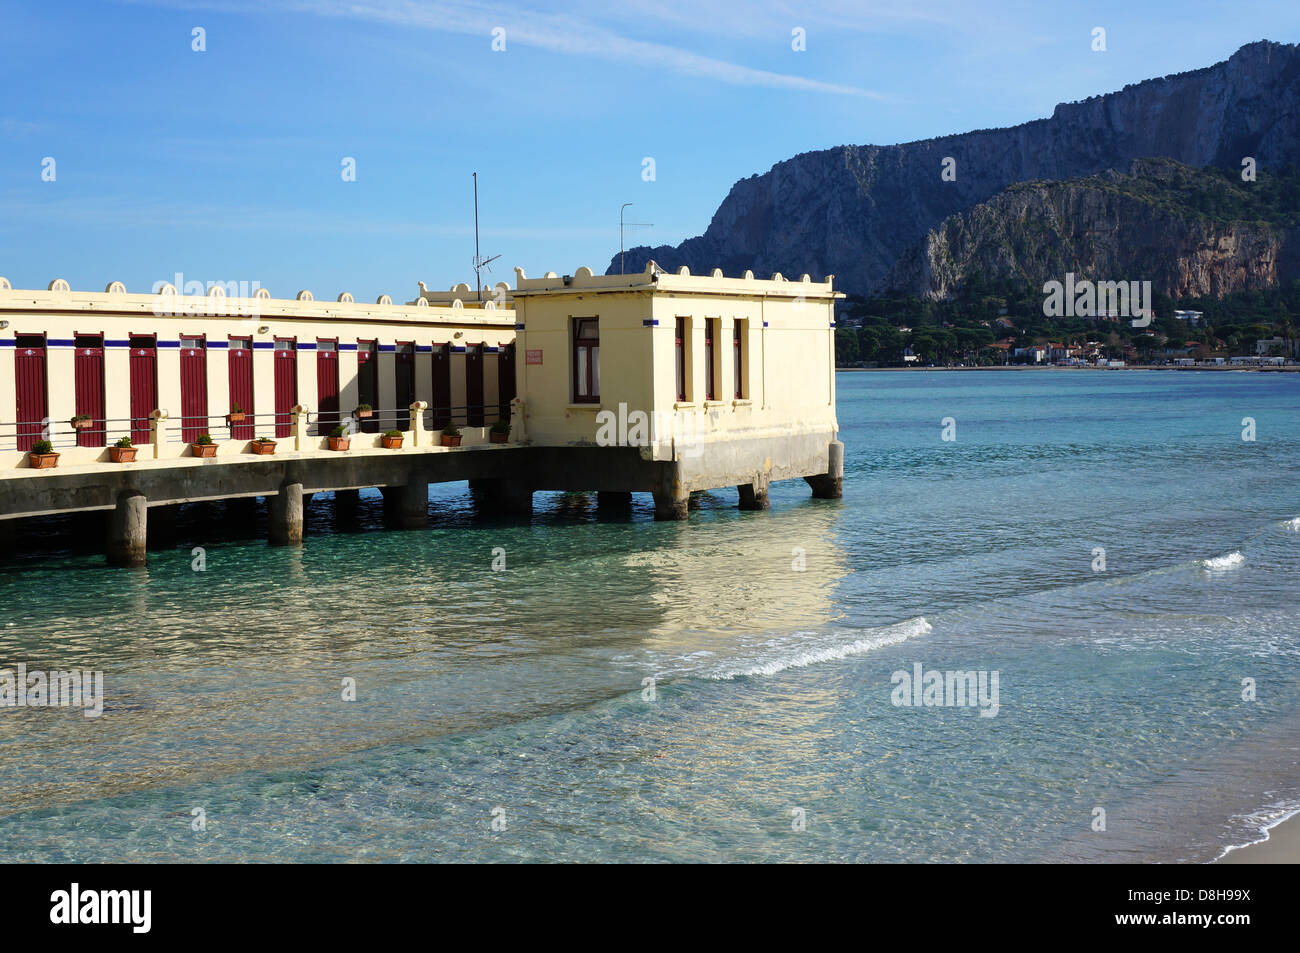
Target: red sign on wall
x: 533, y: 357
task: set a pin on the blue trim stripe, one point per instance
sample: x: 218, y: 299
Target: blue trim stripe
x: 832, y: 324
x: 218, y: 344
x: 489, y: 349
x: 387, y: 347
x: 649, y: 322
x: 60, y: 342
x: 764, y: 324
x: 347, y: 347
x: 519, y: 327
x: 306, y: 345
x: 169, y: 344
x: 117, y: 343
x: 6, y: 342
x: 457, y: 350
x: 263, y: 345
x: 422, y: 348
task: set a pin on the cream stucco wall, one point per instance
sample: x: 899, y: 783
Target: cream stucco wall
x: 60, y: 315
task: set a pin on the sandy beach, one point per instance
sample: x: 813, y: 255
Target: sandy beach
x: 1281, y: 847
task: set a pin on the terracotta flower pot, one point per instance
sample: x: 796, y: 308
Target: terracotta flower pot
x: 203, y: 449
x: 391, y: 443
x: 235, y: 418
x: 122, y: 454
x: 82, y: 424
x: 365, y: 413
x: 450, y: 441
x: 264, y: 447
x: 498, y: 437
x: 43, y: 461
x: 340, y: 443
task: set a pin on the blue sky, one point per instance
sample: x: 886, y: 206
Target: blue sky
x: 225, y: 164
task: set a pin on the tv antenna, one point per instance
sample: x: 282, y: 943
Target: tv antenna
x: 621, y: 225
x: 479, y: 262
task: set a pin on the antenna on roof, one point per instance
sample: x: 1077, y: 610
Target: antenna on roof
x: 621, y: 224
x: 479, y: 263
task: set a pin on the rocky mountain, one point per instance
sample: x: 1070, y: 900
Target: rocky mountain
x: 853, y: 211
x: 1192, y: 233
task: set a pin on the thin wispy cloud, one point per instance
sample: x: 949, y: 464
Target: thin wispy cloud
x: 563, y: 34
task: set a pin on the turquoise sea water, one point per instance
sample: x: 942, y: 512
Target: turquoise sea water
x: 772, y: 638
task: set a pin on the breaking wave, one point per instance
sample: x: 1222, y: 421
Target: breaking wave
x: 1227, y: 561
x: 800, y: 649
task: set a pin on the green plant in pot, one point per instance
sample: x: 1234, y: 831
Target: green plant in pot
x: 499, y: 432
x: 340, y: 438
x: 123, y: 451
x: 451, y: 435
x: 42, y: 455
x: 203, y: 446
x: 392, y: 439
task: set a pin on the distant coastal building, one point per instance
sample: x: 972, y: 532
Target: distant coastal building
x: 1193, y: 318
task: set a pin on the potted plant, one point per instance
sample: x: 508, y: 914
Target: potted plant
x: 236, y: 415
x: 363, y: 410
x: 392, y: 440
x: 42, y: 455
x: 264, y: 446
x: 122, y: 452
x: 82, y: 422
x: 339, y: 438
x: 203, y: 446
x: 499, y: 432
x: 451, y: 435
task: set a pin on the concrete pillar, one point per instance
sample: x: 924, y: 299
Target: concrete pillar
x: 285, y: 511
x: 830, y: 485
x: 753, y: 496
x: 411, y: 504
x: 671, y: 505
x: 127, y: 530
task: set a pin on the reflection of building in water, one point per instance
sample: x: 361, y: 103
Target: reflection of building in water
x: 745, y: 576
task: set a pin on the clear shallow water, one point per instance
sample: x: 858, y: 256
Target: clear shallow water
x: 522, y: 689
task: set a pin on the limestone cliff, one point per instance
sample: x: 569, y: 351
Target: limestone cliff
x: 855, y: 210
x: 1191, y: 233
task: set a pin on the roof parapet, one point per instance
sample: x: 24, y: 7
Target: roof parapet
x: 656, y: 278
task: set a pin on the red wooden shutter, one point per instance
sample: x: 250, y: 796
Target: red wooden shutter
x: 327, y: 384
x: 505, y: 379
x: 194, y: 387
x: 144, y: 385
x: 474, y: 385
x: 30, y: 389
x: 286, y: 384
x: 240, y: 362
x: 88, y: 374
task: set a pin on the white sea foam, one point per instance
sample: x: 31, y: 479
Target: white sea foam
x: 1293, y: 524
x: 803, y: 649
x: 1227, y: 561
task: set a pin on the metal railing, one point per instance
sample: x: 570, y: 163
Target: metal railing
x: 105, y: 432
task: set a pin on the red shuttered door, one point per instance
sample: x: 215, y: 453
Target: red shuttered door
x: 144, y: 385
x: 286, y: 384
x: 441, y: 385
x: 404, y: 372
x: 241, y: 386
x: 327, y: 384
x: 474, y: 384
x: 88, y: 374
x: 32, y: 400
x: 368, y: 382
x: 194, y: 387
x: 506, y: 379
